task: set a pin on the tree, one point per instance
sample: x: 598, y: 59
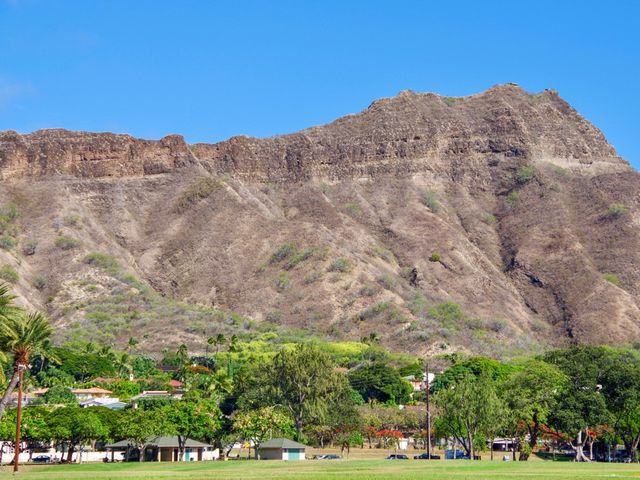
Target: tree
x: 381, y: 382
x: 583, y: 404
x: 76, y: 426
x: 23, y: 336
x: 531, y: 393
x: 467, y: 409
x: 59, y: 395
x: 188, y: 419
x: 258, y: 425
x: 138, y: 426
x: 304, y: 381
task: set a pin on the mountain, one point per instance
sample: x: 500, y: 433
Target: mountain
x: 498, y: 223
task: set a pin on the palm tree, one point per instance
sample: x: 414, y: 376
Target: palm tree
x: 23, y: 336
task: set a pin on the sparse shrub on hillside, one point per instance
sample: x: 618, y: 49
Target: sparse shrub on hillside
x: 72, y: 220
x: 489, y: 218
x: 10, y: 211
x: 616, y: 210
x: 612, y: 278
x: 430, y: 199
x: 282, y: 281
x: 450, y: 101
x: 100, y: 260
x: 387, y: 280
x: 341, y: 264
x: 373, y: 310
x: 299, y: 257
x: 497, y: 325
x: 513, y: 197
x: 353, y: 208
x: 274, y: 316
x: 9, y: 274
x: 312, y: 277
x: 29, y: 247
x: 64, y: 242
x: 525, y: 173
x: 369, y: 290
x: 384, y: 253
x: 40, y: 282
x: 201, y: 189
x: 448, y: 313
x: 417, y: 304
x: 285, y: 250
x: 435, y: 257
x: 7, y: 242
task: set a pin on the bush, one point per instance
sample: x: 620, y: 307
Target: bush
x: 40, y: 282
x: 9, y: 274
x: 341, y: 264
x: 282, y: 281
x: 369, y: 290
x: 616, y: 210
x: 101, y: 260
x: 526, y: 173
x: 353, y: 208
x: 285, y: 250
x: 384, y: 253
x: 7, y: 242
x: 513, y: 197
x: 299, y: 257
x: 72, y: 220
x: 612, y: 278
x: 417, y: 304
x: 430, y: 199
x: 312, y: 277
x: 435, y: 257
x: 66, y: 243
x: 489, y: 218
x: 10, y: 210
x: 387, y: 281
x: 373, y: 310
x: 200, y: 190
x: 29, y: 248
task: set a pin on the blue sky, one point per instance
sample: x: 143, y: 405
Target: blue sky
x: 213, y: 69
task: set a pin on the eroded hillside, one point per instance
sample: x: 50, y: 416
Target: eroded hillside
x: 498, y: 223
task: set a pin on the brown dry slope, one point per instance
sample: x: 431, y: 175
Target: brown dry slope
x: 499, y: 222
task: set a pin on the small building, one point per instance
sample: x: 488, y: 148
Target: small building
x: 161, y: 449
x: 282, y: 449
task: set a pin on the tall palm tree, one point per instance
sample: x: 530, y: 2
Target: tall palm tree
x: 23, y: 336
x: 7, y: 308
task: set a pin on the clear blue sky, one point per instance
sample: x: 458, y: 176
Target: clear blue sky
x: 212, y: 69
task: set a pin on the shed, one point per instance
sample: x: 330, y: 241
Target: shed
x: 161, y: 449
x: 282, y: 449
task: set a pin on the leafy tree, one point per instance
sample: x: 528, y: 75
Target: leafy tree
x: 138, y: 426
x: 583, y: 404
x: 258, y: 425
x: 304, y: 381
x: 59, y: 395
x: 191, y: 419
x: 476, y: 367
x: 468, y: 409
x: 531, y: 393
x: 76, y: 426
x: 381, y: 382
x: 23, y: 336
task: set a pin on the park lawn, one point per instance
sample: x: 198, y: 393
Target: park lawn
x: 331, y: 470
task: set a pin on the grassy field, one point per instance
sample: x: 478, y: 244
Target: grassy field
x: 334, y: 470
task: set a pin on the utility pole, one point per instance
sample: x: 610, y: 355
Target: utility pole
x: 16, y: 458
x: 426, y: 381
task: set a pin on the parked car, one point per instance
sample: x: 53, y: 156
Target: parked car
x: 455, y: 455
x: 329, y: 456
x: 397, y: 456
x: 41, y: 459
x: 425, y: 456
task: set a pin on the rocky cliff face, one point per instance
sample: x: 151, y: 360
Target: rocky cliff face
x: 497, y: 223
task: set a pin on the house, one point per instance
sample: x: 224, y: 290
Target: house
x: 282, y: 449
x: 161, y: 449
x: 418, y: 383
x: 107, y: 402
x: 81, y: 394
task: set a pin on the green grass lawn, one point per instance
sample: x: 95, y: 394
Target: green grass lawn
x: 323, y: 470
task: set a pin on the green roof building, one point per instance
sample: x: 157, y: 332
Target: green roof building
x: 282, y: 449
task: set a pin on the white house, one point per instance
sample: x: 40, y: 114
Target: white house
x: 282, y: 449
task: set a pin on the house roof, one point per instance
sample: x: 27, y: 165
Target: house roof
x: 169, y: 442
x: 81, y: 391
x: 175, y: 383
x: 281, y: 443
